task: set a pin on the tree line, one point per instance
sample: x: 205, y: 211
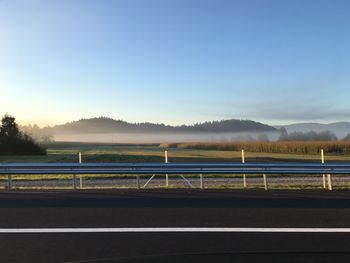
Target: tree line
x: 308, y: 136
x: 109, y: 125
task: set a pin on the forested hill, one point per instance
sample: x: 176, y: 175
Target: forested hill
x: 108, y: 125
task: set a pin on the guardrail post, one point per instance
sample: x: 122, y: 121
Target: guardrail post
x: 244, y: 176
x: 323, y: 175
x: 138, y: 181
x: 201, y: 181
x: 329, y: 177
x: 74, y: 182
x: 9, y: 182
x: 166, y: 175
x: 80, y: 176
x: 324, y: 181
x: 265, y: 182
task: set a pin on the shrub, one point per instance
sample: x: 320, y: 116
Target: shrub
x: 12, y: 141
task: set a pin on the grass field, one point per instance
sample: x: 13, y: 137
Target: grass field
x: 153, y: 153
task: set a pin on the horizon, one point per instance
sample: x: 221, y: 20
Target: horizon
x: 189, y: 124
x: 175, y: 62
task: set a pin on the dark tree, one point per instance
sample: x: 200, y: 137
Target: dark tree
x: 9, y: 127
x: 283, y: 134
x: 13, y: 141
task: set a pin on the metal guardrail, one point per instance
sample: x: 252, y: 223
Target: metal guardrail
x: 173, y: 168
x: 181, y: 169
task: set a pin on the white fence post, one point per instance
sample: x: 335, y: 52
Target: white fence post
x: 265, y: 182
x: 330, y: 187
x: 201, y: 181
x: 166, y: 175
x: 244, y: 176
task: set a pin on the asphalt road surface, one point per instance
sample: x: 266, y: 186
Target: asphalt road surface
x: 106, y: 226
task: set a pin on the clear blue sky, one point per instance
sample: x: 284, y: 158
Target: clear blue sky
x: 175, y: 61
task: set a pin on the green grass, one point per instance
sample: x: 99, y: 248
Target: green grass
x: 103, y: 153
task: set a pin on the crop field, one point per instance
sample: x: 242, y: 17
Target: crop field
x: 68, y: 152
x: 284, y: 147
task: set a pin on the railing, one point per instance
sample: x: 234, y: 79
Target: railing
x: 181, y: 169
x: 173, y: 168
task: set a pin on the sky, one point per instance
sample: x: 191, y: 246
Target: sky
x: 175, y: 61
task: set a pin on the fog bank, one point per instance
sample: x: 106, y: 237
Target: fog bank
x: 165, y: 137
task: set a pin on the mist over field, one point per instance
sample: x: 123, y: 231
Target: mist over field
x: 107, y: 130
x: 165, y: 137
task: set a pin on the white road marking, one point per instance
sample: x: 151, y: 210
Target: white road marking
x: 173, y: 229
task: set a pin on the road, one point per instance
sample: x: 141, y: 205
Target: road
x: 151, y: 208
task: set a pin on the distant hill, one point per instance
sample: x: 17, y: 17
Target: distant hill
x: 340, y: 129
x: 108, y: 125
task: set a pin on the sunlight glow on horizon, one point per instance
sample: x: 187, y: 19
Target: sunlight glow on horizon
x: 175, y: 62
